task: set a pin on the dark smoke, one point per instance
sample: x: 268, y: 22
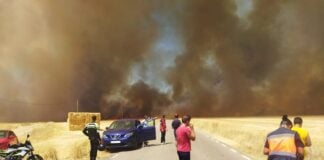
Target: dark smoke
x: 64, y: 51
x: 137, y: 100
x: 269, y: 64
x: 55, y: 53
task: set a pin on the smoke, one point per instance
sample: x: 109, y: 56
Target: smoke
x: 58, y: 52
x: 266, y: 63
x: 136, y: 101
x: 298, y: 79
x: 231, y: 59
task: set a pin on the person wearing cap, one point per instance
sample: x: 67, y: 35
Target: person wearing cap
x: 175, y: 124
x: 184, y: 135
x: 283, y: 143
x: 302, y: 132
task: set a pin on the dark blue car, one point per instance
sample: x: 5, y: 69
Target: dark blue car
x: 128, y: 133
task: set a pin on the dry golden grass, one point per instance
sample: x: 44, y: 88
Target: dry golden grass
x: 80, y: 149
x: 54, y: 141
x: 248, y: 134
x: 48, y: 153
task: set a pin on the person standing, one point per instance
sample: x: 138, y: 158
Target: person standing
x: 303, y: 133
x: 91, y: 130
x: 175, y: 124
x: 147, y: 122
x: 184, y: 135
x: 163, y: 129
x: 283, y: 143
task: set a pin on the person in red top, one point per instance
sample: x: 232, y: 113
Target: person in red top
x: 185, y: 133
x: 163, y: 129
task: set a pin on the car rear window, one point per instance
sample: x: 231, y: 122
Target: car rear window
x: 2, y: 134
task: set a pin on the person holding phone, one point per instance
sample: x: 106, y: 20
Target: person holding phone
x: 184, y: 135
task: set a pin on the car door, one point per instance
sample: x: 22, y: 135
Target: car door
x: 147, y: 131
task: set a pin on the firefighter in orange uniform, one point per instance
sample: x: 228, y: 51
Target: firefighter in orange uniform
x: 283, y: 143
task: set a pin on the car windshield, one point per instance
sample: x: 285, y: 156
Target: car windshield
x: 2, y: 134
x: 118, y: 125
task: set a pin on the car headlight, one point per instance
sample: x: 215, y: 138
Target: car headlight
x: 105, y: 136
x: 128, y: 135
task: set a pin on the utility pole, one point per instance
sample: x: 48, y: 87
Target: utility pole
x: 77, y: 105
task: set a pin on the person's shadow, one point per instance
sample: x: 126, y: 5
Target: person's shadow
x: 133, y: 149
x: 159, y: 144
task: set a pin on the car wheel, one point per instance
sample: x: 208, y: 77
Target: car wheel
x: 139, y: 144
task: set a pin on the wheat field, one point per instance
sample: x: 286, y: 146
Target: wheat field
x: 54, y: 141
x: 248, y: 134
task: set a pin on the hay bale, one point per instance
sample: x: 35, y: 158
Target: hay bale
x: 78, y: 120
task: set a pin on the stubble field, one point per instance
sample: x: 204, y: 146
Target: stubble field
x: 54, y: 141
x: 248, y: 134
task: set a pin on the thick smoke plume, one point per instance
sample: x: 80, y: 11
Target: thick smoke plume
x: 57, y: 52
x: 268, y: 63
x: 136, y: 101
x: 268, y: 60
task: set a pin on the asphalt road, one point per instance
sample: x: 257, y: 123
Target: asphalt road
x: 204, y: 148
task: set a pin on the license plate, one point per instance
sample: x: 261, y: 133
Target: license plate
x: 114, y: 142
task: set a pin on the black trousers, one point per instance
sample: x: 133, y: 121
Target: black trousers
x: 175, y: 133
x: 93, y: 149
x: 163, y: 136
x: 184, y: 155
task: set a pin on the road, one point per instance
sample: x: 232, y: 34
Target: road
x: 204, y: 148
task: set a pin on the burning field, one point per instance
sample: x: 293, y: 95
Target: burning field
x: 130, y: 58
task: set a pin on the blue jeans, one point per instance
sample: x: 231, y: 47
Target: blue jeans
x: 184, y: 155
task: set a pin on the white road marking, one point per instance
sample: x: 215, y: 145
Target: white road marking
x: 233, y: 150
x: 217, y: 141
x: 114, y: 156
x: 246, y: 157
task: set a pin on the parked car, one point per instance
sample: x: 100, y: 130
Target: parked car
x: 127, y: 133
x: 7, y: 138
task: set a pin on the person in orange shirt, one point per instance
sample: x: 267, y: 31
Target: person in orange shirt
x: 283, y: 143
